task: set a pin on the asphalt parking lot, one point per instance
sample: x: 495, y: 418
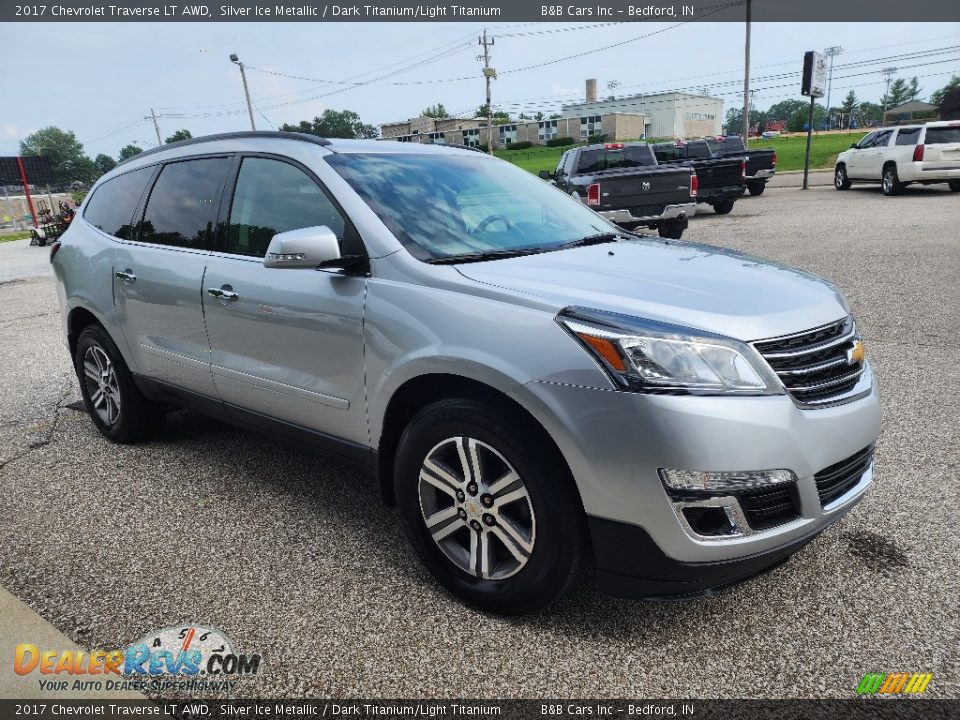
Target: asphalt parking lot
x: 295, y: 558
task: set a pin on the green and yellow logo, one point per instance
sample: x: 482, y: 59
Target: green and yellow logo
x: 894, y: 683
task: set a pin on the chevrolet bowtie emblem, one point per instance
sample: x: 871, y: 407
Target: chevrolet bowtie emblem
x: 856, y: 354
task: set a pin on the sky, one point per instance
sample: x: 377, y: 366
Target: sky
x: 101, y: 79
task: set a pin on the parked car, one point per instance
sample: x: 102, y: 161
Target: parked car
x: 623, y: 182
x: 899, y: 156
x: 533, y: 388
x: 761, y: 162
x: 719, y: 181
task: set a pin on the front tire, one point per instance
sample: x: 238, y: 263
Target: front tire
x: 756, y: 188
x: 723, y: 207
x: 118, y: 409
x: 954, y: 185
x: 489, y: 506
x: 841, y: 181
x: 890, y: 182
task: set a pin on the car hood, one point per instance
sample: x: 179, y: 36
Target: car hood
x: 698, y: 286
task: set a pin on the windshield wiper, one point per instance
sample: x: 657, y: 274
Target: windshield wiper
x: 597, y: 239
x: 489, y: 255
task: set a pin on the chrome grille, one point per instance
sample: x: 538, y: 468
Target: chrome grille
x: 813, y: 365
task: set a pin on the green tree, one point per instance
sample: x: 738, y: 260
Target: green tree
x: 68, y: 162
x: 435, y: 111
x: 798, y: 121
x: 937, y: 97
x: 734, y: 120
x: 850, y: 103
x: 950, y: 105
x: 900, y: 92
x: 335, y: 124
x: 129, y: 151
x: 104, y: 164
x: 868, y: 113
x: 785, y: 109
x: 178, y: 136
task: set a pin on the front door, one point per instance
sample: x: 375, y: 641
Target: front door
x: 159, y: 274
x: 286, y: 343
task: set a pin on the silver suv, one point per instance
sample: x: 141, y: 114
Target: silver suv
x: 531, y: 385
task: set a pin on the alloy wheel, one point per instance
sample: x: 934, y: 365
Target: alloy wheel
x: 477, y: 508
x: 103, y: 389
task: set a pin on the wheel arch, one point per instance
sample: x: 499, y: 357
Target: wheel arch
x: 418, y: 392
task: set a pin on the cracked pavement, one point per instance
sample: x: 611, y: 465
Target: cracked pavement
x: 293, y: 556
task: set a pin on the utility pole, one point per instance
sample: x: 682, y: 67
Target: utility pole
x: 488, y: 74
x: 888, y: 75
x: 831, y: 52
x: 246, y: 91
x: 746, y: 81
x: 156, y: 126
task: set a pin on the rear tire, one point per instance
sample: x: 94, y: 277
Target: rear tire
x: 472, y: 546
x: 672, y: 229
x: 841, y: 181
x: 954, y: 185
x: 890, y: 182
x: 722, y: 207
x: 756, y: 188
x: 118, y: 409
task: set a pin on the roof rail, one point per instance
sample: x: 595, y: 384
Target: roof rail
x: 302, y: 137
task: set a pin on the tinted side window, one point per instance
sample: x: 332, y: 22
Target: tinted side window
x: 272, y: 197
x: 882, y: 138
x: 867, y: 141
x: 698, y: 150
x: 943, y: 135
x: 182, y: 208
x: 908, y: 136
x: 112, y: 206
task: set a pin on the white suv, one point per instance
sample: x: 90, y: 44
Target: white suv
x: 898, y: 156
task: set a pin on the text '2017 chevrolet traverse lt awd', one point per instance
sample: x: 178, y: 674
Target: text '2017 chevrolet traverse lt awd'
x: 531, y: 385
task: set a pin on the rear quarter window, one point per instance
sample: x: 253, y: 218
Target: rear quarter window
x: 943, y: 135
x: 908, y: 136
x: 112, y: 205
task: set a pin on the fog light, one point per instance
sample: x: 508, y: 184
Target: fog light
x: 711, y: 521
x: 696, y: 481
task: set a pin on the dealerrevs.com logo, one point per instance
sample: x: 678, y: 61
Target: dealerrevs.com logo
x: 902, y: 683
x: 179, y: 658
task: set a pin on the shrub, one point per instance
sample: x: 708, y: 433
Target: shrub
x: 522, y: 145
x: 560, y: 141
x: 596, y: 139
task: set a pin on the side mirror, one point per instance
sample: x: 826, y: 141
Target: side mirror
x: 546, y: 175
x: 306, y: 247
x: 853, y: 146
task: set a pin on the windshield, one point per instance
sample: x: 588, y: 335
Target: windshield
x: 443, y: 206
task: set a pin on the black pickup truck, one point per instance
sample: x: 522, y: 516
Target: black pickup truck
x: 624, y: 183
x: 721, y: 181
x: 761, y: 162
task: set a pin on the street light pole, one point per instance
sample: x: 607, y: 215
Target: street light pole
x: 831, y: 52
x: 746, y: 82
x: 246, y: 91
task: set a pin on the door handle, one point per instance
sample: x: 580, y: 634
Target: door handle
x: 125, y: 275
x: 222, y: 294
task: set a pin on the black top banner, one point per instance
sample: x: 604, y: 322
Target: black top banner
x: 600, y: 11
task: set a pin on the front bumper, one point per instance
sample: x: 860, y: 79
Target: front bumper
x: 616, y: 442
x: 631, y: 565
x: 670, y: 212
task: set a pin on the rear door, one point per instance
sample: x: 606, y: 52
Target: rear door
x: 159, y: 273
x: 942, y: 148
x: 285, y: 343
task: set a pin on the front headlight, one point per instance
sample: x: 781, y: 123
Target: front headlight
x: 647, y: 355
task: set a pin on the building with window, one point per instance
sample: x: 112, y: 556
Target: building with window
x: 667, y: 115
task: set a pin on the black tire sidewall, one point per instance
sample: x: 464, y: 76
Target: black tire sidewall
x: 895, y: 186
x: 723, y: 207
x: 558, y: 541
